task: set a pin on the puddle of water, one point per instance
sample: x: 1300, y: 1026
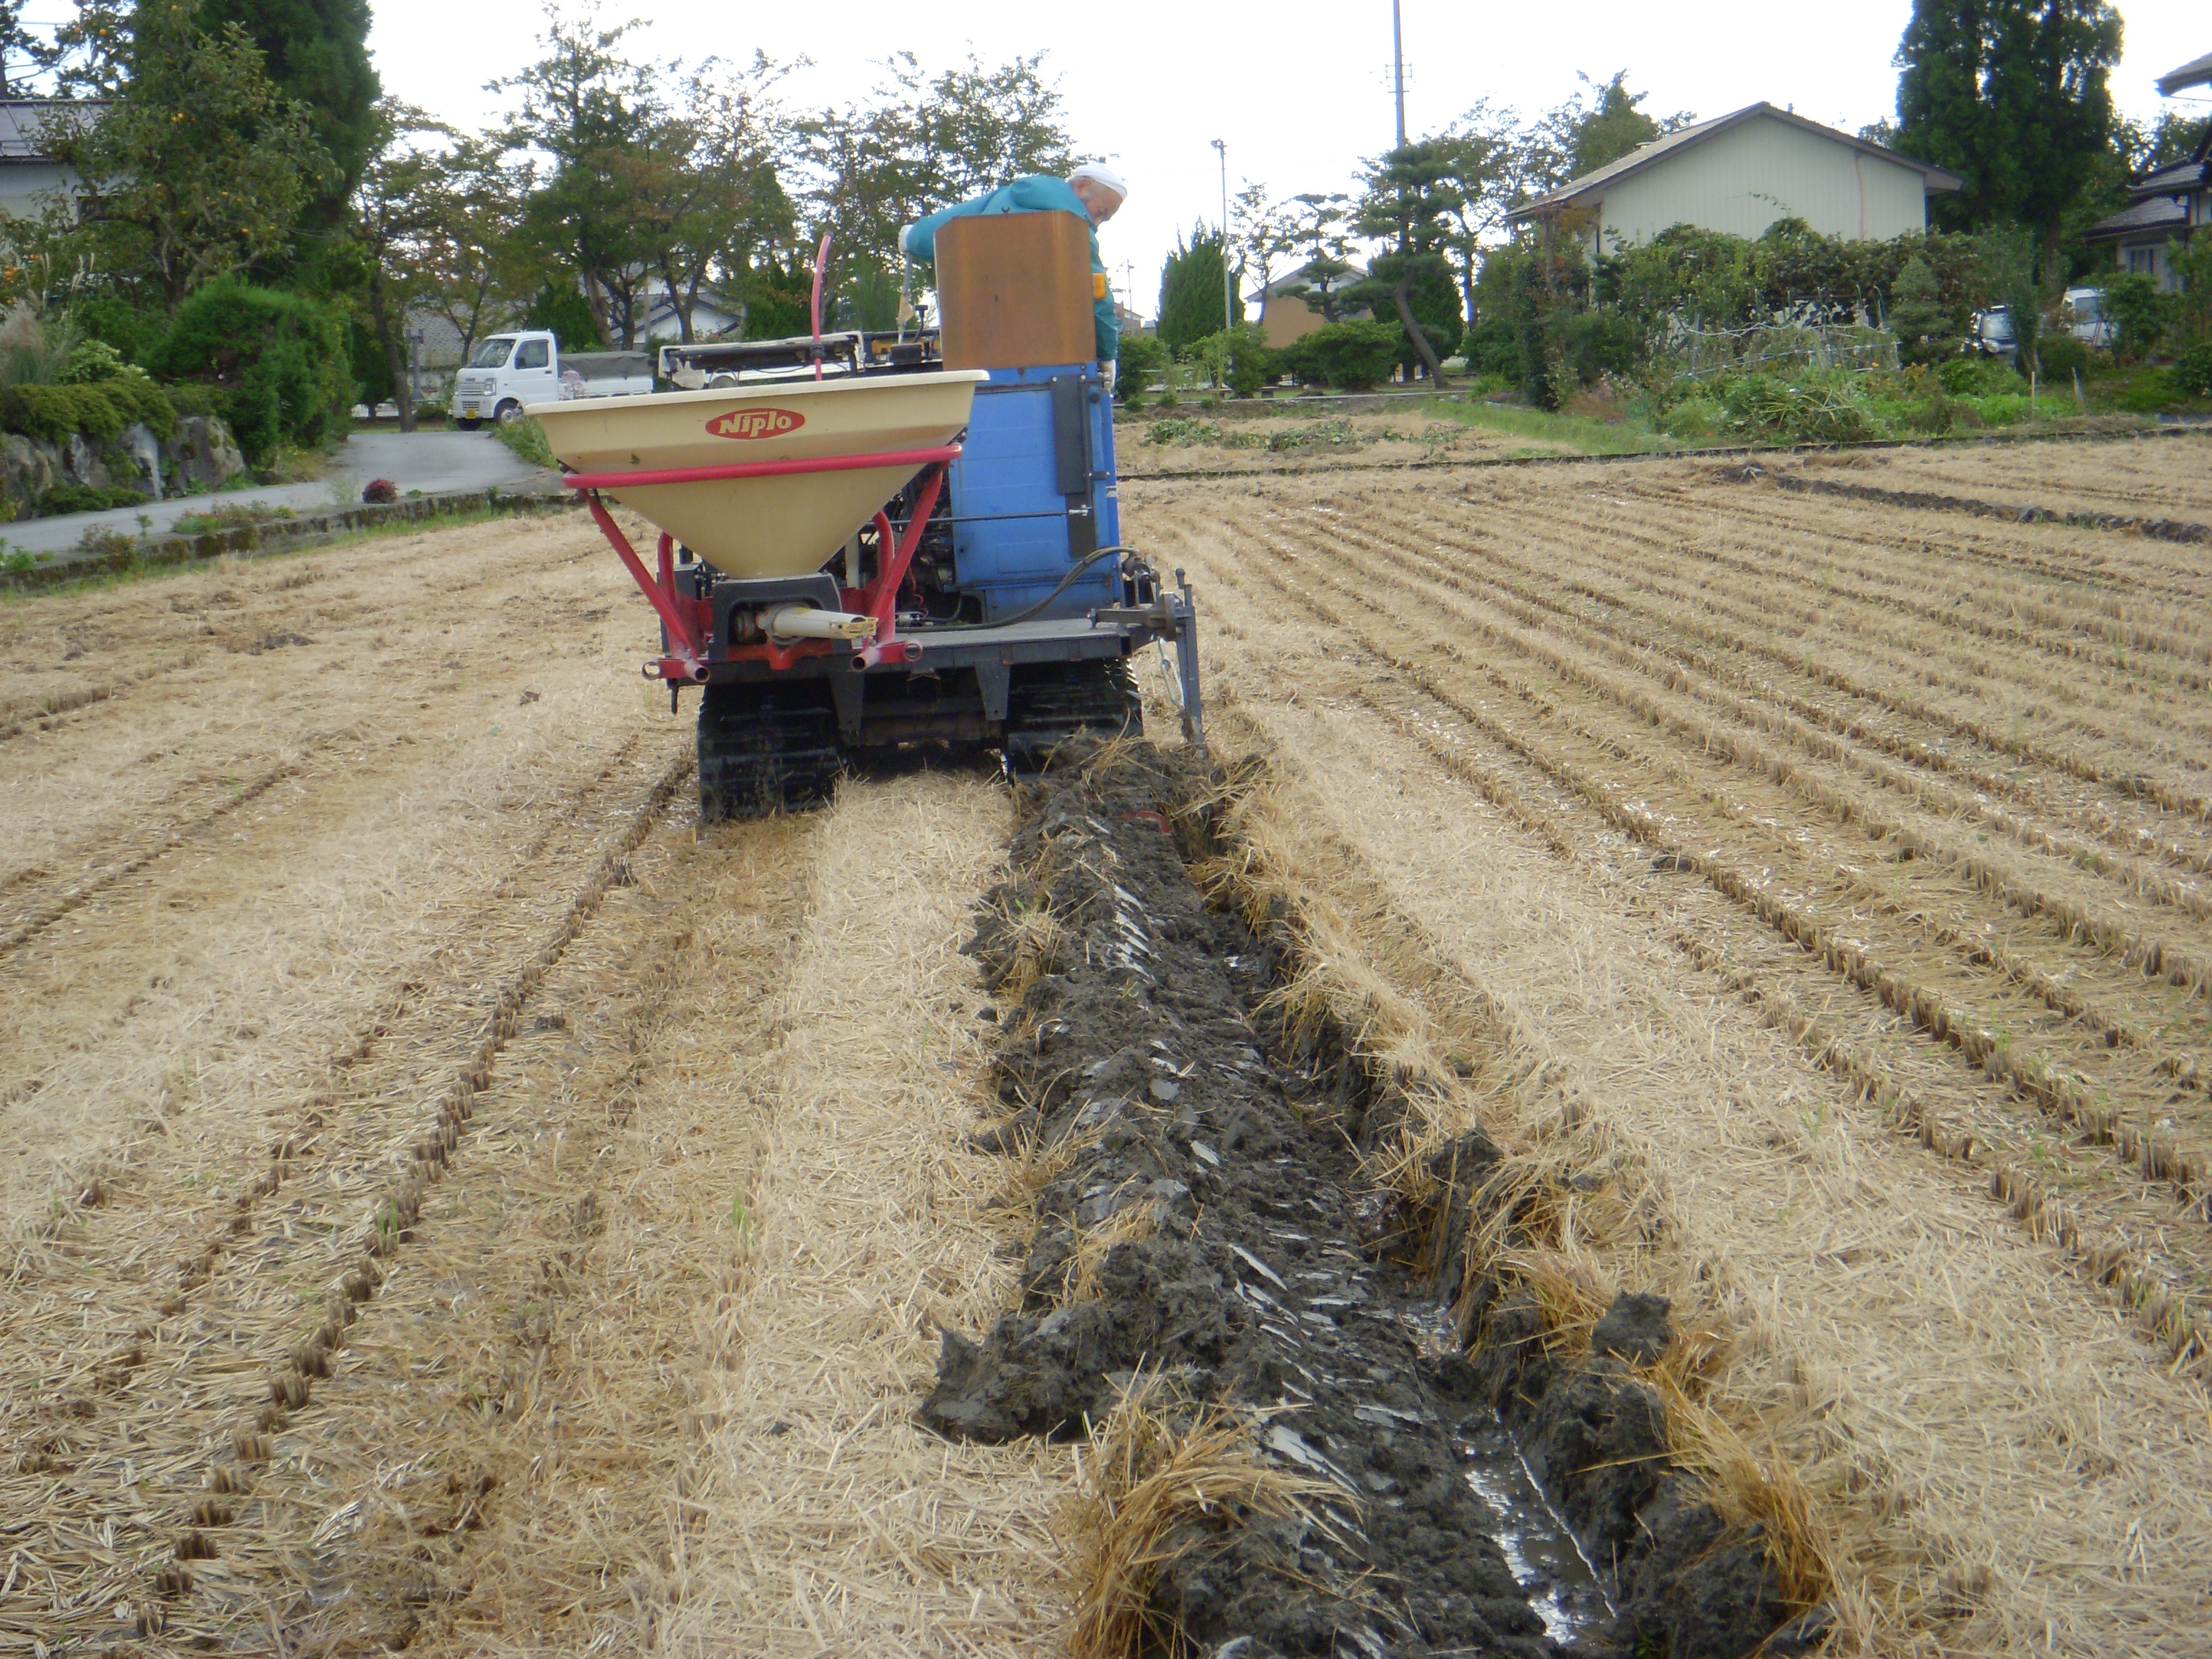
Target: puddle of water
x: 1561, y: 1584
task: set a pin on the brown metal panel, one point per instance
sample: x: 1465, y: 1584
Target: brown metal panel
x: 1014, y: 290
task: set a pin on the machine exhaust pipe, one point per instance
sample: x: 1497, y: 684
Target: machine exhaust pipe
x: 806, y: 621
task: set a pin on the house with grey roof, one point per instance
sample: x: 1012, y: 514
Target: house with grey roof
x: 29, y: 177
x: 1739, y: 173
x: 2167, y: 205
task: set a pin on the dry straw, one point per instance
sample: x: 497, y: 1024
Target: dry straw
x: 1164, y: 1479
x: 1863, y: 1317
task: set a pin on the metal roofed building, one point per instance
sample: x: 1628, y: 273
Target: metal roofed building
x: 1740, y: 172
x: 26, y: 172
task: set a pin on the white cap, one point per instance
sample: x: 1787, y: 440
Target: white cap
x: 1098, y: 173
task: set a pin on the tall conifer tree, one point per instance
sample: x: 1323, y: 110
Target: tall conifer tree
x: 2011, y: 95
x: 317, y: 52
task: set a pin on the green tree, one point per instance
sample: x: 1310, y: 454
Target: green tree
x: 715, y: 199
x: 1191, y: 290
x: 316, y: 52
x: 1412, y: 198
x: 198, y: 166
x: 476, y: 269
x: 559, y: 308
x: 1926, y: 330
x: 395, y: 207
x: 1591, y: 129
x: 923, y: 141
x: 1322, y: 231
x: 591, y: 111
x: 2012, y: 96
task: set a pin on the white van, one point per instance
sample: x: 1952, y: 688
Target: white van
x: 529, y: 367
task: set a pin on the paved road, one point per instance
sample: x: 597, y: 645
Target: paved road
x: 428, y: 461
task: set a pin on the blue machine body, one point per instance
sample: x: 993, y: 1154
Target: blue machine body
x: 1034, y: 490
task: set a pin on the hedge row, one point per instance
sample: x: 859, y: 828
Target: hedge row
x: 100, y: 411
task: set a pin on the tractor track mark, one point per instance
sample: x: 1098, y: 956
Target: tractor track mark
x: 88, y: 888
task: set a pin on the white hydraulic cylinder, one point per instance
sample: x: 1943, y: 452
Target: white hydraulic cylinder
x: 807, y: 621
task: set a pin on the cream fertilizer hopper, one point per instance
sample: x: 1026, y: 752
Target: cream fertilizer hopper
x: 864, y: 550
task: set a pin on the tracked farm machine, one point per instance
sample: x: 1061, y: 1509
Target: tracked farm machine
x: 875, y: 543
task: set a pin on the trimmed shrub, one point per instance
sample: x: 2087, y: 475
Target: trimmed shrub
x: 280, y: 362
x: 99, y: 412
x: 88, y: 498
x: 1140, y: 358
x: 2061, y: 357
x: 2192, y: 371
x: 1348, y: 356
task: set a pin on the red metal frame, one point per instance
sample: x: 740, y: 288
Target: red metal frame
x: 689, y: 635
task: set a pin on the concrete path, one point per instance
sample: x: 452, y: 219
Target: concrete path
x: 427, y: 461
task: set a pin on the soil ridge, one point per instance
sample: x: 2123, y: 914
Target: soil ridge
x: 1238, y: 1260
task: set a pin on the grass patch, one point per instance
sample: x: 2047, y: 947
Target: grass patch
x: 1587, y: 434
x: 231, y: 515
x: 526, y: 439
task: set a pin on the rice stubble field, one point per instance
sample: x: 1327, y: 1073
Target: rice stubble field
x: 452, y: 1199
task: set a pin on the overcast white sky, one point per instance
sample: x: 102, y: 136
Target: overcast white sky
x: 1299, y: 91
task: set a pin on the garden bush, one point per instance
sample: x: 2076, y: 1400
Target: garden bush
x: 1494, y: 347
x: 1140, y: 358
x: 2062, y: 358
x: 279, y: 360
x: 2192, y: 371
x: 1347, y: 356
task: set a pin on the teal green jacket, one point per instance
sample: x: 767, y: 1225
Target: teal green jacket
x: 1039, y: 193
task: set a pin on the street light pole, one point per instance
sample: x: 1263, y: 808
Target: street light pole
x: 1398, y: 69
x: 1228, y: 311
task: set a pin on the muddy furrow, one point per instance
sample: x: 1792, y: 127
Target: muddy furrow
x: 1822, y: 1255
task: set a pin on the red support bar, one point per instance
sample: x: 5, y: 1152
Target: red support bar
x: 664, y: 599
x: 676, y: 475
x: 894, y: 554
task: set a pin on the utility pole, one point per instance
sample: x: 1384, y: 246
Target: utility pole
x: 1228, y: 310
x: 1398, y: 69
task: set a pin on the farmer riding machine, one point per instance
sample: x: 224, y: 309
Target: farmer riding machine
x: 871, y: 543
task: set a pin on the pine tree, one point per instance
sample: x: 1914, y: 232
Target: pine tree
x: 2011, y: 95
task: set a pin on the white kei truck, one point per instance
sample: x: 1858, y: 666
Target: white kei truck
x: 527, y: 366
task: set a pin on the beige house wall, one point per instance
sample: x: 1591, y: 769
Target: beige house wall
x: 1743, y: 180
x: 1286, y: 318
